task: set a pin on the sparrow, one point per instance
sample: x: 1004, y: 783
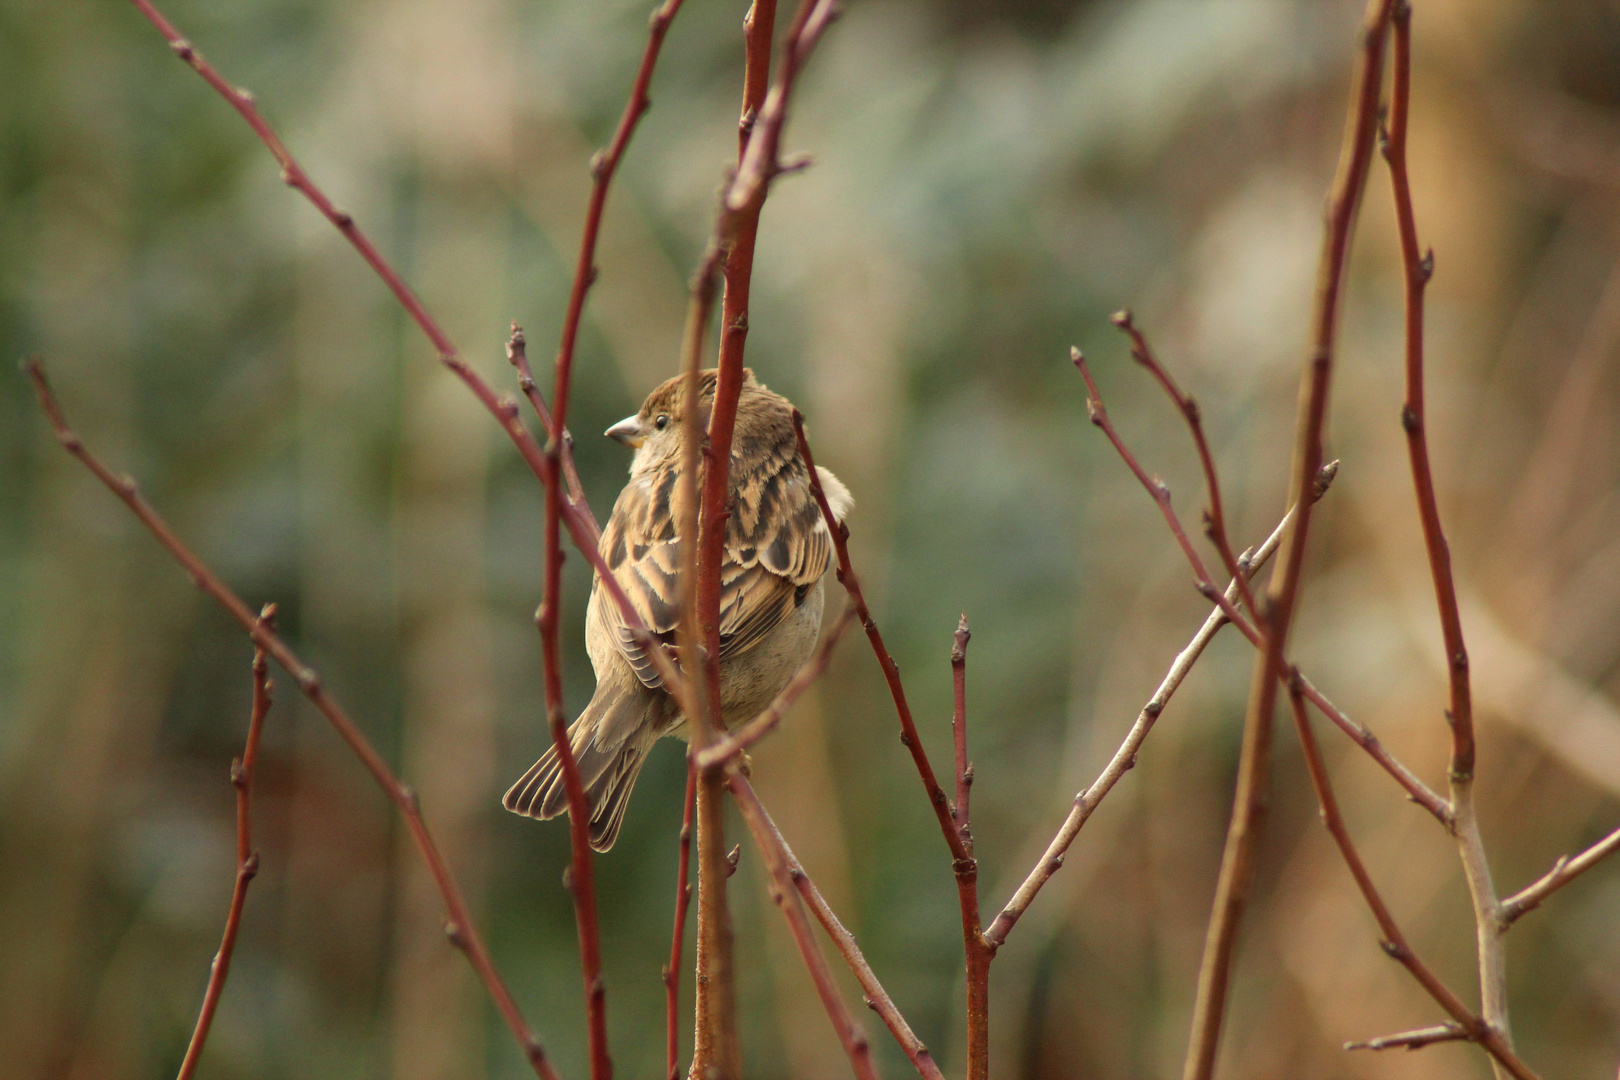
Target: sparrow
x: 777, y: 549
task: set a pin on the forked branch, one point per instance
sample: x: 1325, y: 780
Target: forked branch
x: 459, y: 926
x: 247, y: 860
x: 1418, y: 267
x: 1470, y: 1026
x: 1124, y: 758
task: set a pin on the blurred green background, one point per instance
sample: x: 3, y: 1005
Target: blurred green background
x: 991, y: 180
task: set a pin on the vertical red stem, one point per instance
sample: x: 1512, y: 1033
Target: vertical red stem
x: 683, y: 899
x: 247, y: 860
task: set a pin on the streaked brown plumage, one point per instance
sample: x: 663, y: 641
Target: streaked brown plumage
x: 777, y: 549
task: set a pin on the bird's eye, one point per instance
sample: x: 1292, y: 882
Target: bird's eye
x: 662, y: 422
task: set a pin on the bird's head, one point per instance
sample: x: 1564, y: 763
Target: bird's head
x: 655, y: 431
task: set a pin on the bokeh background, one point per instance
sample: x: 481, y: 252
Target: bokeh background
x: 992, y: 178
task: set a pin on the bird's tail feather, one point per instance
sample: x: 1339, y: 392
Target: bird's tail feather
x: 608, y: 773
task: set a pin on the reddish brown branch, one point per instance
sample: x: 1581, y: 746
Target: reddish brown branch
x: 961, y: 812
x: 735, y: 236
x: 784, y: 891
x: 877, y: 998
x: 581, y: 526
x: 459, y: 926
x: 518, y: 356
x: 977, y: 950
x: 683, y: 900
x: 1416, y: 789
x: 1215, y: 517
x: 1282, y: 592
x: 1418, y: 267
x: 247, y: 860
x: 891, y: 673
x: 1395, y: 944
x: 604, y: 164
x: 1161, y: 497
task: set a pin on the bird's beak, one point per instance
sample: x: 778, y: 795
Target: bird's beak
x: 627, y: 431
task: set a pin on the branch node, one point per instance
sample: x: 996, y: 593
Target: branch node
x: 732, y: 858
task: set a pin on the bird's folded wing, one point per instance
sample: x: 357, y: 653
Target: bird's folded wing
x: 777, y: 547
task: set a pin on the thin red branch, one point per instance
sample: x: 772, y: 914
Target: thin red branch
x: 517, y: 354
x: 1418, y: 267
x: 746, y: 735
x: 581, y: 526
x: 1161, y: 497
x: 582, y: 877
x: 735, y: 237
x: 1394, y: 943
x: 1565, y: 870
x: 1277, y: 610
x: 683, y: 900
x: 1215, y: 517
x: 247, y: 860
x: 978, y: 951
x: 966, y: 868
x: 877, y: 998
x: 891, y: 673
x: 785, y: 892
x: 961, y: 811
x: 459, y: 926
x: 1416, y: 789
x: 704, y: 526
x: 604, y: 164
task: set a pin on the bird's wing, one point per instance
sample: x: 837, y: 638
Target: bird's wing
x: 777, y: 547
x: 641, y: 552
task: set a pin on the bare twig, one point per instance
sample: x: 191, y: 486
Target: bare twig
x: 960, y: 810
x: 1160, y: 492
x: 1413, y: 1040
x: 877, y: 998
x: 1124, y: 758
x: 1395, y: 944
x: 735, y: 742
x: 962, y: 862
x: 582, y: 879
x: 1419, y: 792
x: 1215, y: 517
x: 462, y: 933
x: 581, y: 526
x: 786, y: 895
x: 683, y: 899
x: 1565, y: 870
x: 891, y: 673
x: 247, y: 860
x: 1418, y: 268
x: 518, y: 356
x: 1277, y: 610
x: 978, y: 951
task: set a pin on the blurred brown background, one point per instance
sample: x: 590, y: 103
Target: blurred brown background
x: 992, y: 179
